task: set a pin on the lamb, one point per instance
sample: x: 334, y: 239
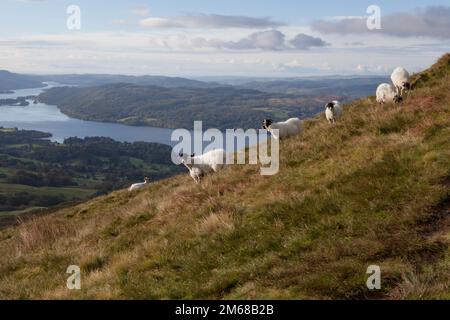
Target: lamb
x: 140, y: 185
x: 333, y: 110
x: 199, y: 166
x: 386, y: 93
x: 401, y: 80
x: 286, y: 129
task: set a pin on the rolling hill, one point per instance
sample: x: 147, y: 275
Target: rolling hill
x: 89, y: 80
x: 12, y: 81
x: 371, y: 190
x: 347, y: 88
x: 221, y: 107
x: 243, y: 106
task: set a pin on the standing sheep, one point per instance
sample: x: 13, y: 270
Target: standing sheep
x: 285, y: 129
x: 401, y: 80
x: 333, y: 110
x: 201, y: 165
x: 386, y: 93
x: 196, y: 173
x: 140, y: 185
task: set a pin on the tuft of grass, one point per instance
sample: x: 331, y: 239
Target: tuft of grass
x: 41, y: 231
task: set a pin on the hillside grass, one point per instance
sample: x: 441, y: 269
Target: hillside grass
x: 373, y: 189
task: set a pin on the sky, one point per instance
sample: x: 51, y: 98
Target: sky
x: 196, y: 38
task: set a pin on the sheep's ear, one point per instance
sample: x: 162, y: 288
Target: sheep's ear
x: 193, y: 155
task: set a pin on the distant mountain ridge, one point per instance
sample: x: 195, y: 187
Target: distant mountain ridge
x: 13, y: 81
x: 351, y: 87
x: 87, y: 80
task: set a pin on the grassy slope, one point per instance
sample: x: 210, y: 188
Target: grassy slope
x: 374, y: 189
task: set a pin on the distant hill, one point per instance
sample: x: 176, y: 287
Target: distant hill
x: 14, y: 81
x: 220, y: 107
x: 173, y: 106
x: 349, y: 87
x: 87, y: 80
x: 374, y: 189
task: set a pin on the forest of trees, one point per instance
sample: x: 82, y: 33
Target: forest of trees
x: 33, y: 169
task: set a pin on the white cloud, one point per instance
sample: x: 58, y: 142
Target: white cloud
x: 430, y: 21
x: 180, y: 54
x: 269, y: 40
x: 264, y: 40
x: 303, y: 42
x: 211, y: 21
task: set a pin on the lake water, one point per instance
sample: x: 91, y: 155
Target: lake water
x: 47, y: 118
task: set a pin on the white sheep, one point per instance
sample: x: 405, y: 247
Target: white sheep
x: 386, y: 93
x: 333, y: 110
x: 201, y: 165
x: 196, y: 173
x: 401, y: 80
x: 140, y: 185
x: 286, y: 128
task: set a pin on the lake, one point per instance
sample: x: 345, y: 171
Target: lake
x: 48, y: 118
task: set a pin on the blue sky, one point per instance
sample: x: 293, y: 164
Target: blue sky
x: 49, y: 16
x: 200, y: 37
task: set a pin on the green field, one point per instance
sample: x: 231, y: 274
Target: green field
x: 36, y: 173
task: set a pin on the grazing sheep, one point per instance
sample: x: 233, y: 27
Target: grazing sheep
x: 333, y: 110
x: 196, y: 173
x: 401, y: 80
x: 201, y: 165
x: 286, y: 129
x: 140, y: 185
x: 386, y: 93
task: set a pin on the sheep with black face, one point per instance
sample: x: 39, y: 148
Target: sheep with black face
x: 333, y: 110
x: 285, y: 129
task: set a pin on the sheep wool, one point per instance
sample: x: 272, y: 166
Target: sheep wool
x: 386, y: 93
x: 201, y: 165
x: 333, y: 110
x: 285, y: 129
x: 401, y: 80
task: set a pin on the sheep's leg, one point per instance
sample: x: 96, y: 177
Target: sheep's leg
x: 196, y: 178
